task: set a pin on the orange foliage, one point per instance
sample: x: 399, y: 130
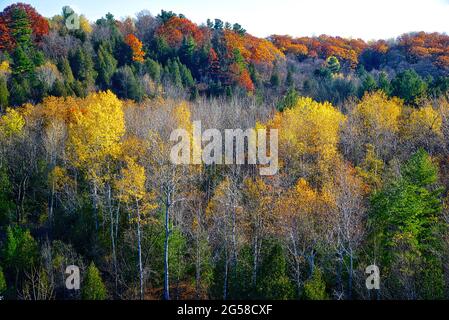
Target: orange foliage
x: 136, y: 46
x: 176, y: 29
x: 426, y: 45
x: 323, y: 47
x: 254, y: 50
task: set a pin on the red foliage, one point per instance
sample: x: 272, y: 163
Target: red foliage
x: 6, y: 41
x: 39, y: 24
x: 176, y: 29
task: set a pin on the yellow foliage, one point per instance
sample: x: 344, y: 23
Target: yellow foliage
x: 378, y: 113
x: 85, y: 25
x: 11, y: 123
x: 4, y: 67
x: 309, y: 130
x: 58, y: 178
x: 132, y: 190
x: 95, y: 131
x: 423, y: 120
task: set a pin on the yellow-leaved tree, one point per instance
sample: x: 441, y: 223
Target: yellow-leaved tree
x: 308, y: 138
x: 132, y: 192
x: 95, y: 130
x: 374, y: 120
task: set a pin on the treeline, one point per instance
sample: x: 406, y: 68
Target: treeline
x: 146, y: 56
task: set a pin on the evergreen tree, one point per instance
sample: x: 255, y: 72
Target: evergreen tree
x: 315, y: 287
x: 21, y: 28
x: 4, y: 94
x: 154, y: 69
x: 93, y: 287
x: 384, y: 83
x: 106, y: 66
x: 20, y: 91
x: 406, y: 216
x: 20, y: 251
x: 125, y: 84
x: 83, y: 67
x: 22, y: 62
x: 409, y: 86
x: 186, y: 76
x: 369, y: 84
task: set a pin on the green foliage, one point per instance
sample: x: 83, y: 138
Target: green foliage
x: 406, y: 218
x: 93, y: 287
x: 20, y: 250
x: 20, y: 91
x: 21, y: 28
x: 333, y: 64
x: 106, y: 66
x: 2, y: 282
x: 154, y: 69
x: 83, y: 67
x: 289, y: 100
x: 125, y: 84
x: 369, y: 84
x: 384, y: 83
x: 273, y: 279
x: 315, y: 287
x: 409, y: 86
x: 22, y: 62
x: 6, y: 204
x: 4, y: 94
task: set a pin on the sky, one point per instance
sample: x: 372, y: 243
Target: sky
x: 366, y: 19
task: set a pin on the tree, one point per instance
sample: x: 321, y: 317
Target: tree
x: 409, y: 86
x: 406, y: 218
x: 132, y: 192
x: 93, y: 287
x: 20, y: 251
x: 21, y: 28
x: 138, y: 55
x: 289, y: 100
x: 106, y: 66
x: 125, y: 84
x: 83, y: 67
x: 333, y: 64
x: 2, y: 283
x: 4, y: 94
x: 23, y: 65
x: 315, y: 287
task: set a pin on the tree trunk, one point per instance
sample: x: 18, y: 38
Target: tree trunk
x: 139, y: 246
x: 167, y: 235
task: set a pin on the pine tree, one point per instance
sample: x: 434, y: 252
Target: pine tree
x: 21, y: 28
x: 154, y: 69
x: 106, y: 66
x: 93, y: 287
x: 22, y: 62
x: 83, y: 67
x: 406, y: 217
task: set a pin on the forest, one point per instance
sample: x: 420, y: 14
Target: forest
x: 86, y: 113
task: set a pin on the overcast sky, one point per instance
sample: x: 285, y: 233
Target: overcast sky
x: 348, y: 18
